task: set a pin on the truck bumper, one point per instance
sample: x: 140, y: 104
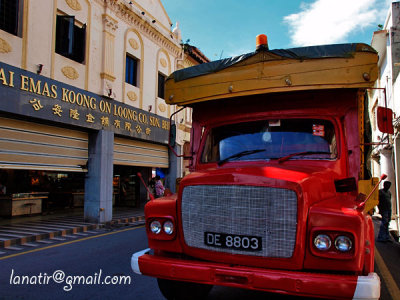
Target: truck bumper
x: 279, y: 281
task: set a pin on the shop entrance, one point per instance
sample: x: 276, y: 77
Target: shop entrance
x: 31, y: 192
x: 128, y: 191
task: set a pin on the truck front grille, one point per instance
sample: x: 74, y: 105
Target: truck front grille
x: 269, y: 213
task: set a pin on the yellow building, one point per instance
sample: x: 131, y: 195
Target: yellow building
x: 82, y: 107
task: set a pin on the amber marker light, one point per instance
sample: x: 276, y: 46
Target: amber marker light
x: 261, y: 42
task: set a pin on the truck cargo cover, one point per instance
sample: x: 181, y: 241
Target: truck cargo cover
x: 324, y: 51
x: 272, y: 71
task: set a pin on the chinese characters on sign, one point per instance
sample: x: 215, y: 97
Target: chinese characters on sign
x: 36, y: 104
x: 74, y: 114
x: 55, y: 101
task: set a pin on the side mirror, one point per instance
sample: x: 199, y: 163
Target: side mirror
x: 172, y: 136
x: 385, y: 120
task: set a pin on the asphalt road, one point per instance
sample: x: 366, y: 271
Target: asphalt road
x: 104, y: 256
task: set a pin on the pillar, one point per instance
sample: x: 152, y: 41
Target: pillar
x: 99, y: 180
x: 396, y: 197
x: 110, y: 26
x: 388, y: 169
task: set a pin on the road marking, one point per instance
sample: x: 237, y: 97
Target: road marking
x: 70, y: 236
x: 58, y: 238
x: 13, y: 248
x: 391, y: 285
x: 81, y: 234
x: 70, y: 242
x: 30, y: 245
x: 44, y: 241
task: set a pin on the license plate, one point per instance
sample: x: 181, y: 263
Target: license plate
x: 233, y: 241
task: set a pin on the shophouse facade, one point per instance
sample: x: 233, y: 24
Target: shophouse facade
x: 386, y: 147
x: 81, y: 104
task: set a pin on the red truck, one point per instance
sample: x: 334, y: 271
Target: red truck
x: 273, y: 201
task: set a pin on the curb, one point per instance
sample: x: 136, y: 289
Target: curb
x: 60, y: 233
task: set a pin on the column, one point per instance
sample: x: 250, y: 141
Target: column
x: 388, y: 169
x: 396, y: 196
x: 99, y: 180
x: 107, y: 74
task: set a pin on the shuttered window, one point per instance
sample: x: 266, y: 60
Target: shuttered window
x: 10, y: 16
x: 132, y: 70
x: 70, y: 38
x: 161, y: 83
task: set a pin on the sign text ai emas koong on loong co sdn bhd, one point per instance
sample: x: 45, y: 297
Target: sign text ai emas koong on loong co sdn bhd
x: 28, y: 94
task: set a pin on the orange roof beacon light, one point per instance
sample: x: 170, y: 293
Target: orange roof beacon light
x: 261, y: 42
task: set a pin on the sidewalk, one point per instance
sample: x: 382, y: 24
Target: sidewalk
x: 387, y: 264
x: 22, y: 231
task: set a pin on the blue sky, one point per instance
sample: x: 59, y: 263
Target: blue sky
x: 224, y: 28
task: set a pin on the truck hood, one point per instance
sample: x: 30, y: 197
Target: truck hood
x: 314, y: 183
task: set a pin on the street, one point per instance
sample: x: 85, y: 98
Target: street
x: 103, y: 257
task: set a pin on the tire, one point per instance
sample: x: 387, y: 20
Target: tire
x: 179, y: 290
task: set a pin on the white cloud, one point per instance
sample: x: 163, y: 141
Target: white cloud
x: 331, y: 21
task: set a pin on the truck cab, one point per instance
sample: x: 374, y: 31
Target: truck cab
x: 277, y: 160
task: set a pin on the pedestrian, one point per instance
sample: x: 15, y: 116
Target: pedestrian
x: 385, y: 210
x: 159, y: 187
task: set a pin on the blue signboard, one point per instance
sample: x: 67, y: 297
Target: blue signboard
x: 28, y: 94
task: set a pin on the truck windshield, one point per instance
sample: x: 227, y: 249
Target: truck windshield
x: 271, y: 139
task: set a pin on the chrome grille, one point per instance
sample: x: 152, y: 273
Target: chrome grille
x: 270, y: 213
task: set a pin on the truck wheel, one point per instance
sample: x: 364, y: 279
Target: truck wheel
x: 179, y: 290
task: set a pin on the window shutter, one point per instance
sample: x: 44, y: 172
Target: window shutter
x: 64, y: 35
x: 131, y: 72
x: 9, y: 11
x: 161, y: 82
x: 79, y: 43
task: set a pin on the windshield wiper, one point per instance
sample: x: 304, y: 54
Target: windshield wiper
x: 287, y: 157
x: 238, y: 155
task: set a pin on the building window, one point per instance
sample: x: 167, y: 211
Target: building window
x: 70, y: 38
x: 132, y: 70
x: 11, y: 16
x: 161, y: 82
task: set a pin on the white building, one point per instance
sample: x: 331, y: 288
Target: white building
x: 386, y: 152
x: 82, y: 101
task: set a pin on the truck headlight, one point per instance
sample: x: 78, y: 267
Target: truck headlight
x: 168, y: 227
x: 343, y: 243
x: 155, y: 227
x: 322, y: 242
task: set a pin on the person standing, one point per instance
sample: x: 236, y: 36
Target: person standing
x: 385, y: 209
x: 159, y: 187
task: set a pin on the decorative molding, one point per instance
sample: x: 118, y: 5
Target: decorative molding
x: 181, y: 127
x: 107, y: 76
x: 4, y: 46
x: 134, y: 44
x: 132, y: 96
x: 162, y: 107
x: 70, y: 72
x: 110, y: 23
x: 188, y: 63
x: 74, y: 4
x: 180, y: 66
x: 124, y: 13
x: 163, y: 62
